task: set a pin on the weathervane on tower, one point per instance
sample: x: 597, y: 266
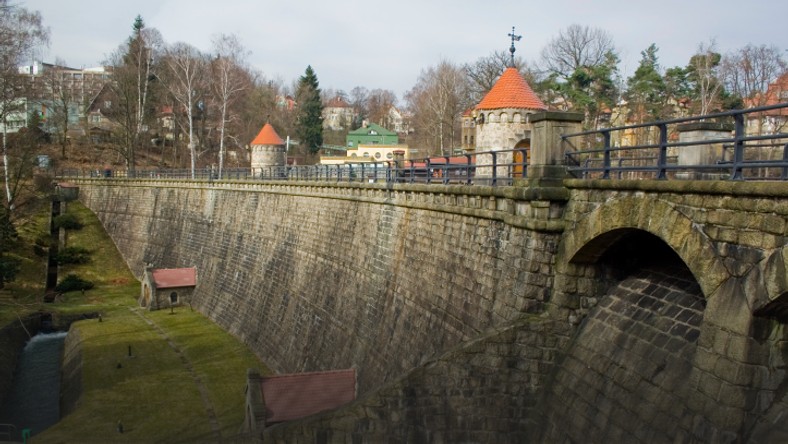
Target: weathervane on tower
x: 515, y: 38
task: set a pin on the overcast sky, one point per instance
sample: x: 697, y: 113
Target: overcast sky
x: 386, y: 44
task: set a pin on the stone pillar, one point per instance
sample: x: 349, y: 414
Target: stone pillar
x: 702, y: 153
x: 255, y: 404
x: 547, y: 149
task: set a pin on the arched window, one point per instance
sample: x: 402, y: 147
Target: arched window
x: 173, y: 298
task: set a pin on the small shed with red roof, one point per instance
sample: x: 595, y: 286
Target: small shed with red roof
x: 274, y: 399
x: 167, y: 287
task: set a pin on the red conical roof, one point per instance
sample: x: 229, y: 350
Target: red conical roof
x: 511, y: 91
x: 268, y: 136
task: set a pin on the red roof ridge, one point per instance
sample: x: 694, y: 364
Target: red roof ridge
x: 315, y: 373
x: 268, y: 136
x: 174, y: 277
x: 511, y: 91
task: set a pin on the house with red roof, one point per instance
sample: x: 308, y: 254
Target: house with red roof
x: 167, y: 287
x: 280, y: 398
x: 772, y: 121
x: 337, y: 114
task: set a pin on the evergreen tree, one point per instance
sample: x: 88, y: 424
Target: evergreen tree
x: 309, y: 121
x: 9, y: 266
x: 591, y: 90
x: 646, y: 88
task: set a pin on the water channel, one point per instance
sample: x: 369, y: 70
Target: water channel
x: 34, y: 400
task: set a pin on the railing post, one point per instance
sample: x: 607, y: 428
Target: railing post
x: 738, y: 146
x: 784, y: 175
x: 468, y: 166
x: 606, y: 155
x: 662, y: 159
x: 494, y: 179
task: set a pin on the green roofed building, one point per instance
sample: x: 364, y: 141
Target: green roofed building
x: 371, y: 134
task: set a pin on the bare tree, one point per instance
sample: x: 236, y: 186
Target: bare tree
x: 57, y: 92
x: 379, y: 103
x: 359, y: 100
x: 184, y: 73
x: 483, y: 73
x: 749, y: 71
x: 134, y: 71
x: 20, y: 32
x: 437, y: 102
x: 229, y: 81
x: 577, y: 46
x: 705, y: 66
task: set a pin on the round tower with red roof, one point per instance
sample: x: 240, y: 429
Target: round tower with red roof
x: 502, y: 115
x: 268, y: 150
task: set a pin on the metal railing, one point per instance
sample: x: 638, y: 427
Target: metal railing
x: 493, y: 168
x: 737, y: 155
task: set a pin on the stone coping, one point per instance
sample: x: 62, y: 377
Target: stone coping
x: 712, y: 187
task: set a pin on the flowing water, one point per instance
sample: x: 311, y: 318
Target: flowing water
x: 34, y: 400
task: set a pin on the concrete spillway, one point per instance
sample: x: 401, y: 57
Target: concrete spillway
x: 33, y: 402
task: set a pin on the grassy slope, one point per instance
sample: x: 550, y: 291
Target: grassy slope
x: 153, y: 393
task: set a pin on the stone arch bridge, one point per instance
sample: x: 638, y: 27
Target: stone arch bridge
x: 590, y: 311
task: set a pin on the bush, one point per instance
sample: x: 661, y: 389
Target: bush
x: 73, y: 282
x: 67, y: 221
x: 73, y: 255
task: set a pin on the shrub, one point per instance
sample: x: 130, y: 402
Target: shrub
x: 67, y: 221
x: 73, y: 282
x: 73, y: 255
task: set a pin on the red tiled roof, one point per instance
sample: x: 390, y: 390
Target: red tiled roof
x: 511, y: 91
x: 268, y: 136
x: 298, y: 395
x: 337, y: 102
x: 174, y: 277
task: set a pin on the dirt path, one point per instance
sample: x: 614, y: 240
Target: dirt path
x: 209, y: 409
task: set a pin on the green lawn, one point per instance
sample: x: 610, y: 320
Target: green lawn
x: 153, y: 393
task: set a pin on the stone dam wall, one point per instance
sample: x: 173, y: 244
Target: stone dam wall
x: 633, y: 312
x: 313, y: 283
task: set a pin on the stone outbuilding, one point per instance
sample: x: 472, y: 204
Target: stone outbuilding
x: 269, y: 153
x: 275, y: 399
x: 167, y: 287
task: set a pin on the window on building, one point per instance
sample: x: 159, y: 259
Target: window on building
x: 173, y: 297
x: 377, y: 155
x: 107, y: 104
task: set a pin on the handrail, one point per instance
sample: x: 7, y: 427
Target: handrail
x: 729, y: 151
x: 498, y: 167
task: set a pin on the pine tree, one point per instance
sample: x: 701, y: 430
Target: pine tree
x: 309, y: 121
x: 646, y: 88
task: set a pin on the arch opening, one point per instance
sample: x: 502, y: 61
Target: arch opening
x: 640, y: 338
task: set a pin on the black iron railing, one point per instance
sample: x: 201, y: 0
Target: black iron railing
x: 747, y: 144
x: 495, y: 168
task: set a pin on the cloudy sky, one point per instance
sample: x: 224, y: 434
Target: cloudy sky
x: 386, y: 44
